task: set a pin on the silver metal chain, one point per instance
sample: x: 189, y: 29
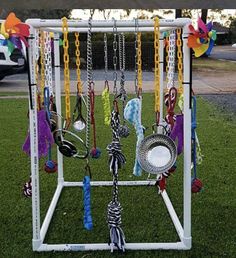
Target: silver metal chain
x: 89, y: 81
x: 122, y: 65
x: 120, y: 48
x: 136, y: 57
x: 48, y: 62
x: 105, y: 56
x: 37, y: 47
x: 115, y: 57
x: 171, y: 60
x: 123, y: 43
x: 122, y: 91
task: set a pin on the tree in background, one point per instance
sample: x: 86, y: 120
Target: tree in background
x: 106, y: 13
x: 232, y: 30
x: 204, y: 15
x: 24, y: 14
x: 178, y: 13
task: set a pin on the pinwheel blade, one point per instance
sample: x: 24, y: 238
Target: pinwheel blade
x: 201, y: 50
x: 211, y: 45
x: 23, y: 29
x: 192, y: 42
x: 11, y: 21
x: 202, y: 25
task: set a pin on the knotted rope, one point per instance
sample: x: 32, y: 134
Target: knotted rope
x: 88, y: 223
x: 116, y: 160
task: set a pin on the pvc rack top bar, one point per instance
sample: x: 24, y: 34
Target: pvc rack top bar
x: 106, y: 30
x: 173, y: 23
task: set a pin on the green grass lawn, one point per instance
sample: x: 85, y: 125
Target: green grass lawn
x: 145, y: 218
x: 2, y: 94
x: 208, y: 64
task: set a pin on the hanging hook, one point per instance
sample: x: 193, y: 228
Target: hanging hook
x: 87, y: 170
x: 114, y: 25
x: 136, y: 25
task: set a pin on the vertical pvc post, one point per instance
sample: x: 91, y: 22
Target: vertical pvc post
x: 187, y: 140
x: 58, y: 101
x: 36, y: 241
x: 161, y: 66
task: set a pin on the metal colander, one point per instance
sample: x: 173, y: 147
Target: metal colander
x: 157, y: 153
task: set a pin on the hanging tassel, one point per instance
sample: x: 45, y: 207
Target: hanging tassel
x: 117, y: 237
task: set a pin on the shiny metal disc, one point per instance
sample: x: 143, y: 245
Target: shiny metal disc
x: 157, y: 153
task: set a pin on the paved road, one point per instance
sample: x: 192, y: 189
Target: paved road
x: 97, y: 74
x: 224, y: 52
x: 203, y: 83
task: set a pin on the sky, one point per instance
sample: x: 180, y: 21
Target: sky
x: 120, y: 14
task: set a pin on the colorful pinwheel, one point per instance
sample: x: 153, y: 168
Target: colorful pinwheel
x: 202, y: 39
x: 13, y: 32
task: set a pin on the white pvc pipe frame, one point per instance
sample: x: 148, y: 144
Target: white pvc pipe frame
x: 39, y: 232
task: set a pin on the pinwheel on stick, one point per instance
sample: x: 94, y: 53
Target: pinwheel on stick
x: 202, y: 39
x: 13, y: 33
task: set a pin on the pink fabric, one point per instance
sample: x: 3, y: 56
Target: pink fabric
x: 44, y: 136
